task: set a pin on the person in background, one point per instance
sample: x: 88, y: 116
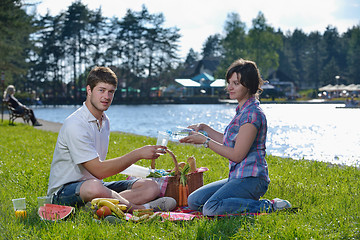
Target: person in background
x: 79, y: 164
x: 243, y: 144
x: 18, y: 106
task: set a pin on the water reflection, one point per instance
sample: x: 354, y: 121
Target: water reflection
x: 310, y: 131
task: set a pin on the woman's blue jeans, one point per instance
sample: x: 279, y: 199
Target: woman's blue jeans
x: 228, y: 197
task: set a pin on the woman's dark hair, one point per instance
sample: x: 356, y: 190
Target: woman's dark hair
x: 248, y: 73
x: 101, y: 74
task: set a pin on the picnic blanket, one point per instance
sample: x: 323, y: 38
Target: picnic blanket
x: 186, y: 214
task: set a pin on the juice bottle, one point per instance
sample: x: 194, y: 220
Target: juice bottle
x: 20, y: 207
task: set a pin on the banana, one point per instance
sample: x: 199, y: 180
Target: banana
x: 95, y: 201
x: 122, y: 207
x: 114, y: 208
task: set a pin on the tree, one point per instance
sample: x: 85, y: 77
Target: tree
x: 263, y: 45
x: 313, y: 59
x: 15, y: 44
x: 353, y: 54
x: 233, y: 43
x: 212, y: 46
x: 191, y: 57
x: 96, y: 41
x: 47, y: 64
x: 74, y: 36
x: 146, y: 47
x: 286, y: 56
x: 130, y: 42
x: 297, y: 43
x: 329, y: 72
x: 333, y: 60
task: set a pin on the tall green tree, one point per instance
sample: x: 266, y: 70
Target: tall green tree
x: 353, y: 54
x: 114, y: 42
x: 146, y: 47
x: 286, y: 57
x: 74, y: 36
x: 329, y: 72
x: 47, y: 65
x: 97, y: 31
x: 212, y: 46
x: 161, y: 46
x: 297, y: 42
x: 191, y: 57
x: 233, y: 42
x: 313, y: 59
x: 130, y: 43
x: 263, y: 45
x: 333, y: 56
x: 16, y: 26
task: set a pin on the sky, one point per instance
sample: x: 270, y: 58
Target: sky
x: 198, y: 19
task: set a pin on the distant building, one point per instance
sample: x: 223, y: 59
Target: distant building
x: 198, y: 79
x: 283, y: 84
x: 202, y: 84
x: 206, y: 65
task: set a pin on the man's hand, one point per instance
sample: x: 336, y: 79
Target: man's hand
x: 104, y: 169
x: 151, y: 151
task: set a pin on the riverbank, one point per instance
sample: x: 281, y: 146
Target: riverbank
x: 188, y: 100
x: 46, y: 125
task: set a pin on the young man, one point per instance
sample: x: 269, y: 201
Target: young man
x: 79, y: 158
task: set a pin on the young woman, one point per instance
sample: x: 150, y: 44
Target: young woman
x: 243, y: 143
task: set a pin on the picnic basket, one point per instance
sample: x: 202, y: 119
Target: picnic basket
x: 194, y: 180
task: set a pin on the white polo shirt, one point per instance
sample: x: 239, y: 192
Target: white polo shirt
x: 80, y: 140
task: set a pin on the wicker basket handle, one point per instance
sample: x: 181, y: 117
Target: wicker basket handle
x: 174, y: 159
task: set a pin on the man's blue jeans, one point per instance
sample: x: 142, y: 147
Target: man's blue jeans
x: 69, y: 194
x: 234, y: 196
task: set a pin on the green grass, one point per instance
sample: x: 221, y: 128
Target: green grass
x: 328, y: 195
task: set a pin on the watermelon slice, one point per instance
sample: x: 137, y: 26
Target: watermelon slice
x: 54, y: 212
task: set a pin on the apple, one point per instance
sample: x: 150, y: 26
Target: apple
x: 103, y: 212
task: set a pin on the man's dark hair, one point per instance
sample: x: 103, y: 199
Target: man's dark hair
x: 101, y: 74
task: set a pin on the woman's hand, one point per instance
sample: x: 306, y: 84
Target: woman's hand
x: 211, y: 133
x: 197, y: 127
x: 194, y: 138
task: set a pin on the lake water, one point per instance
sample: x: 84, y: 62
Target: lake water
x: 301, y: 131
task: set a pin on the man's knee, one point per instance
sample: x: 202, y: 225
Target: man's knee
x: 92, y: 189
x: 149, y: 187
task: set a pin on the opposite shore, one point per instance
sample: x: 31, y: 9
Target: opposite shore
x: 182, y: 100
